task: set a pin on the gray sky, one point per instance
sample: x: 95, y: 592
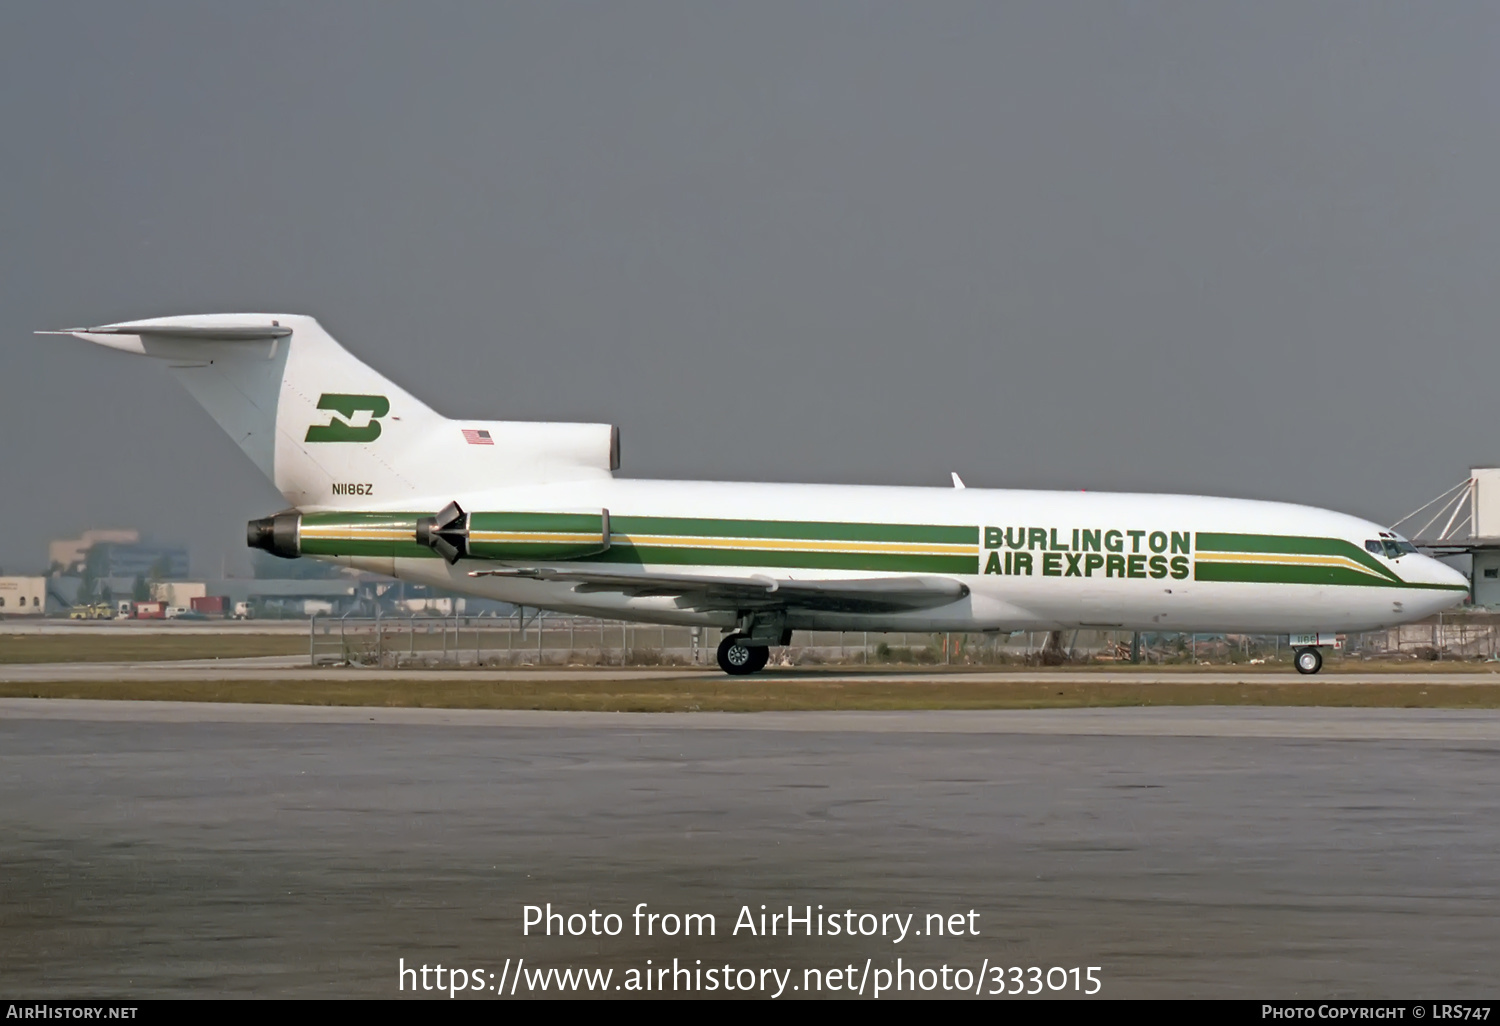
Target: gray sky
x: 1239, y: 249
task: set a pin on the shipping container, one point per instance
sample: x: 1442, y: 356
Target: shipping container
x: 211, y: 605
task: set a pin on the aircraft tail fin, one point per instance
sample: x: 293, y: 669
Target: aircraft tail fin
x: 330, y: 430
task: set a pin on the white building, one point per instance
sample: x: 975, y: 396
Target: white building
x: 178, y: 593
x: 1484, y: 543
x: 23, y: 596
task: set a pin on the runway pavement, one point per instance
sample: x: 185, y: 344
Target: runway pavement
x: 1180, y: 721
x: 188, y: 848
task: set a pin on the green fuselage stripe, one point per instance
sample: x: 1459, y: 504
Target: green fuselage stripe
x: 722, y: 542
x: 536, y: 522
x: 1294, y: 545
x: 700, y: 541
x: 1252, y: 573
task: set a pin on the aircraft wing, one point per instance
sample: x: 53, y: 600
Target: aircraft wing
x: 856, y: 595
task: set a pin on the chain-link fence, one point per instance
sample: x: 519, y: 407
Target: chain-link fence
x: 553, y: 639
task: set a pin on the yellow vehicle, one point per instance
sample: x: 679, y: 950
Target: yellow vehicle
x: 98, y: 611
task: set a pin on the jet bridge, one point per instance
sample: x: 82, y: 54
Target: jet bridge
x: 1465, y: 521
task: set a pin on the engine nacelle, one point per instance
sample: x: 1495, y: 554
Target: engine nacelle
x: 277, y: 535
x: 511, y: 536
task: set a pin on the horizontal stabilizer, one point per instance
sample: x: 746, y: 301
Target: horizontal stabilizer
x: 227, y: 333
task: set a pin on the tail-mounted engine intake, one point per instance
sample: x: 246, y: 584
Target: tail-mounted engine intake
x: 279, y: 535
x: 447, y: 534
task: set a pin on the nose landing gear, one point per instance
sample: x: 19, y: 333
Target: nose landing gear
x: 1308, y: 660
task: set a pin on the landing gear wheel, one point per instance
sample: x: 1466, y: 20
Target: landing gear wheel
x: 738, y: 659
x: 1308, y: 660
x: 762, y: 655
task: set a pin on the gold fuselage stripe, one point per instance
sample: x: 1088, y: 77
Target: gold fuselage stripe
x: 1286, y: 558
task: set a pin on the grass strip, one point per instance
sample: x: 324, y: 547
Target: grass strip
x: 95, y: 648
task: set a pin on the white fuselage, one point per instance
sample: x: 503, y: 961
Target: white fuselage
x: 1040, y: 560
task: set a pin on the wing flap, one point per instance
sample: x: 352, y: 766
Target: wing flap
x: 708, y: 594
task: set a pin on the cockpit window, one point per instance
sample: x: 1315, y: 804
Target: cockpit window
x: 1390, y: 549
x: 1374, y: 546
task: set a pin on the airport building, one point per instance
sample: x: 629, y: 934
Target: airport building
x: 288, y: 597
x: 111, y: 559
x: 118, y: 553
x: 345, y: 593
x: 70, y: 555
x: 263, y: 596
x: 23, y: 596
x: 1484, y: 505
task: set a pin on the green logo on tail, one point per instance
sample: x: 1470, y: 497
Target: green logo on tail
x: 348, y: 423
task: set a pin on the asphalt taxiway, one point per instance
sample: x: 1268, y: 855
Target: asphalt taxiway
x: 198, y: 849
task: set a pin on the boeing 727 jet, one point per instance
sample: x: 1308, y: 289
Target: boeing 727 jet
x: 533, y: 514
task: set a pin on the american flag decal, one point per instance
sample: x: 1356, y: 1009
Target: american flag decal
x: 477, y: 437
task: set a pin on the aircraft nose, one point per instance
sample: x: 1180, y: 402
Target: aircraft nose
x: 1439, y: 573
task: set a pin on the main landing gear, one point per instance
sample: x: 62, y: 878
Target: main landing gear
x: 1308, y: 660
x: 737, y: 658
x: 748, y: 649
